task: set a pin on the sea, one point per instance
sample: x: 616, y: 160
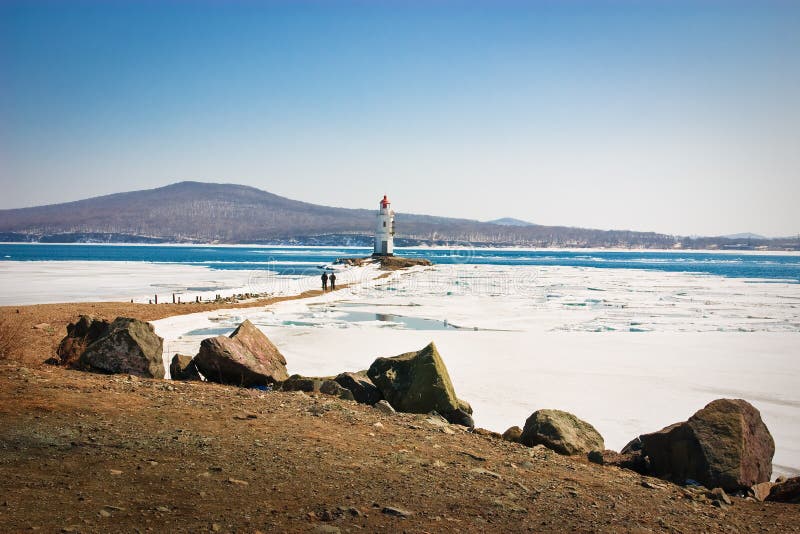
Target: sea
x: 299, y: 260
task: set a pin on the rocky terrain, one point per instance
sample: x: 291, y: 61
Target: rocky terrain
x: 129, y: 451
x: 83, y: 452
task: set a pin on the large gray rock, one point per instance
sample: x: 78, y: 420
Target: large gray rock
x: 80, y: 334
x: 246, y: 358
x: 362, y: 388
x: 330, y: 387
x: 183, y: 367
x: 726, y: 445
x: 129, y: 346
x: 302, y: 383
x: 417, y: 382
x: 561, y: 432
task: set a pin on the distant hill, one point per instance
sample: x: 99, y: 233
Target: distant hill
x: 745, y: 235
x: 194, y: 212
x: 510, y: 221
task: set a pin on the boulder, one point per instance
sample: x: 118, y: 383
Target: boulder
x: 513, y: 434
x: 80, y: 334
x: 460, y: 417
x: 302, y: 383
x: 788, y: 491
x: 183, y: 367
x: 129, y: 346
x: 330, y: 387
x: 362, y: 388
x: 561, y: 432
x: 246, y: 358
x: 726, y: 445
x: 633, y: 460
x: 417, y: 382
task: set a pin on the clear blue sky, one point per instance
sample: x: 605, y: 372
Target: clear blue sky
x: 679, y: 117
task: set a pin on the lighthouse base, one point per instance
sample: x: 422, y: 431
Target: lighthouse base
x: 382, y: 254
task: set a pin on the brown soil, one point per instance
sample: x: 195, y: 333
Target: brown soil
x: 96, y: 453
x: 82, y: 452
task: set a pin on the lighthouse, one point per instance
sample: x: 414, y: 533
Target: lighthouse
x: 384, y: 233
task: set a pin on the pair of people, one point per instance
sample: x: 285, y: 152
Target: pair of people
x: 326, y: 279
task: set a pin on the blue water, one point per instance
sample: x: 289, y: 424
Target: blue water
x: 307, y: 260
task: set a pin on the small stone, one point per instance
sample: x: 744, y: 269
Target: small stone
x: 162, y: 509
x: 482, y: 471
x: 719, y: 504
x: 718, y: 494
x: 326, y: 515
x: 105, y: 513
x: 384, y: 407
x: 761, y: 491
x: 216, y: 527
x: 513, y: 434
x: 397, y: 512
x: 378, y: 425
x: 116, y: 472
x: 238, y: 482
x: 111, y: 508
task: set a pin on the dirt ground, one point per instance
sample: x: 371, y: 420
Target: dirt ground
x: 82, y: 452
x: 93, y: 453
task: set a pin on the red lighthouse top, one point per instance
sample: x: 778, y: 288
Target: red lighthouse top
x: 384, y: 202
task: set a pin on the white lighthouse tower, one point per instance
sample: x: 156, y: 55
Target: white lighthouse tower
x: 384, y: 233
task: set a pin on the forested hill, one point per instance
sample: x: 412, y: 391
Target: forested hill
x: 227, y: 213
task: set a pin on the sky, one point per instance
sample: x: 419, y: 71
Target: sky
x: 670, y: 116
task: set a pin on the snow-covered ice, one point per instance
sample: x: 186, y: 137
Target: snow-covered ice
x: 40, y: 282
x: 630, y: 351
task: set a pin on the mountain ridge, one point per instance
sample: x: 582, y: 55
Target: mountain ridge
x: 201, y: 212
x: 510, y: 221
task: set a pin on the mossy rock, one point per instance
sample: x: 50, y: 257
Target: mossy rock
x: 129, y: 346
x: 415, y: 382
x: 561, y: 432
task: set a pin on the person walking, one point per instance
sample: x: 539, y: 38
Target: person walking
x: 324, y: 282
x: 333, y: 281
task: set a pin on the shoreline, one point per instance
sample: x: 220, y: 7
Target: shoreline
x: 426, y: 247
x: 557, y: 354
x: 44, y: 325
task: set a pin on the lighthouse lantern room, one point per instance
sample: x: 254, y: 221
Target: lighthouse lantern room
x: 384, y: 233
